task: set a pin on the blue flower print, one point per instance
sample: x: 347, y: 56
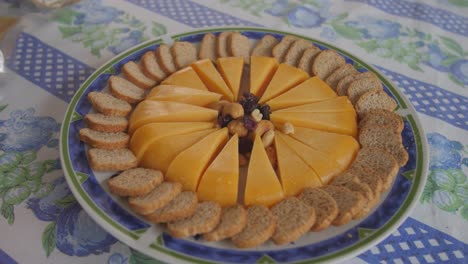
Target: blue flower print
x: 435, y: 58
x: 46, y: 208
x: 299, y: 14
x: 444, y: 153
x: 459, y: 70
x: 279, y: 8
x: 133, y: 38
x: 117, y: 258
x: 304, y: 17
x: 92, y: 13
x: 372, y: 28
x: 328, y: 33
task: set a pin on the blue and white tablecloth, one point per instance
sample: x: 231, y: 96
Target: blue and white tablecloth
x: 422, y: 46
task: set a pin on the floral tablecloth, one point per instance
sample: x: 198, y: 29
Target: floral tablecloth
x: 422, y: 46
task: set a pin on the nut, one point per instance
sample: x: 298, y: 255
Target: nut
x: 271, y: 153
x: 237, y: 127
x: 235, y: 110
x: 219, y: 105
x: 256, y: 115
x: 268, y: 137
x: 288, y: 128
x: 262, y: 127
x: 243, y: 161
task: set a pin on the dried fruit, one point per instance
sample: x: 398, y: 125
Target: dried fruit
x: 265, y: 110
x: 249, y: 123
x: 223, y: 120
x: 245, y: 145
x: 249, y: 102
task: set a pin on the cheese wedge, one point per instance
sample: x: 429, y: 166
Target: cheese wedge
x: 285, y: 78
x: 341, y: 122
x: 262, y: 70
x: 188, y: 167
x: 147, y: 134
x: 220, y: 181
x: 262, y: 184
x: 182, y: 94
x: 337, y: 104
x: 231, y: 69
x: 150, y: 111
x: 312, y: 90
x: 323, y: 165
x: 211, y: 78
x: 294, y: 173
x: 186, y: 77
x: 161, y: 152
x: 341, y: 148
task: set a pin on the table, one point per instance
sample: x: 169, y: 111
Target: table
x: 420, y: 45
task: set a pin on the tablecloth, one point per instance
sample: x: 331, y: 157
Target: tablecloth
x: 422, y: 46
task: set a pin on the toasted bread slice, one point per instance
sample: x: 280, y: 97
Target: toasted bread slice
x: 307, y: 59
x: 264, y: 47
x: 385, y: 138
x: 108, y: 104
x: 104, y: 140
x: 360, y: 174
x: 359, y: 87
x: 375, y: 99
x: 182, y: 206
x: 208, y: 48
x: 340, y: 73
x: 206, y: 217
x: 325, y: 207
x: 260, y: 227
x: 233, y: 220
x: 349, y: 203
x: 135, y: 182
x: 105, y: 123
x: 343, y: 84
x: 111, y: 159
x: 157, y: 198
x: 134, y: 74
x: 151, y: 67
x: 125, y: 90
x: 280, y: 49
x: 382, y: 117
x: 293, y: 219
x: 326, y: 62
x: 364, y: 190
x: 165, y: 59
x: 184, y: 53
x: 295, y: 52
x: 239, y: 46
x: 222, y: 44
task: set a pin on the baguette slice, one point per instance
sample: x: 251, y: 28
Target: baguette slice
x: 104, y: 140
x: 182, y: 206
x: 374, y: 99
x: 382, y: 117
x: 135, y: 182
x: 222, y: 44
x: 165, y: 59
x: 360, y: 174
x: 358, y: 87
x: 293, y: 219
x: 387, y: 139
x: 239, y: 46
x: 325, y: 207
x: 208, y: 48
x: 108, y: 104
x: 295, y: 52
x: 326, y: 62
x: 343, y: 84
x: 206, y: 217
x: 111, y: 159
x: 151, y: 67
x: 125, y: 90
x: 265, y: 46
x: 307, y: 59
x: 280, y: 49
x: 349, y: 203
x: 157, y: 198
x: 364, y: 190
x: 184, y: 53
x: 134, y: 74
x: 104, y: 123
x: 339, y: 74
x: 260, y: 227
x: 233, y: 220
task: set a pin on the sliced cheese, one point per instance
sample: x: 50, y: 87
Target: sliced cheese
x: 188, y: 167
x: 186, y: 77
x: 262, y: 70
x: 182, y: 94
x: 161, y: 152
x: 312, y: 90
x: 337, y: 104
x: 150, y: 111
x: 294, y: 173
x: 220, y: 181
x: 231, y: 69
x: 285, y: 78
x: 212, y: 79
x: 262, y: 184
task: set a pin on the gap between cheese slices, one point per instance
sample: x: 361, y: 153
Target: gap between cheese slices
x: 231, y: 69
x: 186, y: 77
x: 285, y: 78
x: 220, y: 181
x: 212, y: 79
x: 147, y: 134
x: 337, y: 104
x: 262, y: 185
x: 294, y: 173
x: 159, y: 111
x: 186, y: 95
x: 262, y: 70
x: 188, y: 167
x: 160, y: 153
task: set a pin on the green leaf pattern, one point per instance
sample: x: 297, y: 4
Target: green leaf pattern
x: 49, y: 238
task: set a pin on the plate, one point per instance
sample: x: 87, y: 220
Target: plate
x: 331, y: 245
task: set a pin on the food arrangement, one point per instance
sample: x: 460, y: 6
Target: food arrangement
x: 319, y: 141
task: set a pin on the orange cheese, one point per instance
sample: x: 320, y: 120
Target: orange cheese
x: 294, y: 173
x: 161, y: 152
x: 337, y: 104
x: 147, y: 134
x: 322, y: 164
x: 220, y: 181
x: 261, y: 72
x: 341, y: 122
x: 262, y: 184
x: 182, y: 94
x: 211, y: 78
x: 285, y: 78
x: 231, y: 69
x: 188, y: 167
x: 341, y: 148
x: 186, y: 77
x: 158, y: 111
x: 312, y: 90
